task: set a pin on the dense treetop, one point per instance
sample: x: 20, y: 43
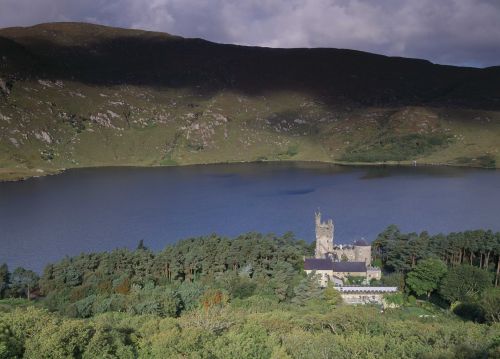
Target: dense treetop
x: 248, y: 297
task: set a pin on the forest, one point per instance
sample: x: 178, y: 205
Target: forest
x: 248, y: 297
x: 460, y: 270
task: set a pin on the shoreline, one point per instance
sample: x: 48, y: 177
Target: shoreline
x: 14, y: 175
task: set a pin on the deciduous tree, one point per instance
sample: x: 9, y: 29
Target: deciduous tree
x: 426, y: 276
x: 490, y: 302
x: 23, y: 281
x: 464, y: 283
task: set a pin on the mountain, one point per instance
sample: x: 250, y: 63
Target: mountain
x: 79, y: 95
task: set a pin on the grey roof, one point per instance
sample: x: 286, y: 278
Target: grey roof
x: 318, y: 264
x: 361, y: 243
x: 360, y: 289
x: 349, y: 267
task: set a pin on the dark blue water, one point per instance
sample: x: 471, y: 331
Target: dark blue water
x: 44, y: 219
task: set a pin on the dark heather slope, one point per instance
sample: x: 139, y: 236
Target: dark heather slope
x: 102, y: 55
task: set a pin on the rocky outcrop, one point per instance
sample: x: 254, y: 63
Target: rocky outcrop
x: 5, y: 87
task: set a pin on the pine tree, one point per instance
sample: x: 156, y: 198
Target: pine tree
x: 4, y: 279
x: 308, y: 289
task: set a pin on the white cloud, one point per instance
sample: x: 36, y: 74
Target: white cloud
x: 444, y: 31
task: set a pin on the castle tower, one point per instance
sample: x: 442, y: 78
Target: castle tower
x: 324, y: 237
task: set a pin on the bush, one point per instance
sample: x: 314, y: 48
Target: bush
x: 394, y: 299
x: 488, y: 161
x: 243, y: 288
x: 355, y: 280
x: 107, y: 342
x: 393, y: 280
x: 469, y: 311
x: 84, y: 306
x: 251, y: 341
x: 161, y: 301
x: 190, y: 294
x: 10, y: 346
x: 395, y: 148
x: 490, y: 304
x: 257, y: 303
x: 292, y: 150
x: 113, y: 303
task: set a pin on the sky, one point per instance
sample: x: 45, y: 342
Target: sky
x: 457, y: 32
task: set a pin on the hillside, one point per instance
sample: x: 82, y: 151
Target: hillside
x: 78, y: 95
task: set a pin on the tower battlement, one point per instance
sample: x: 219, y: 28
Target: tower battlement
x: 324, y: 236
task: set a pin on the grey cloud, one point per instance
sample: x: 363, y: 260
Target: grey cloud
x: 462, y: 32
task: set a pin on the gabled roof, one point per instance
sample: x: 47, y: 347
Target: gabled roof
x: 318, y: 264
x: 349, y: 267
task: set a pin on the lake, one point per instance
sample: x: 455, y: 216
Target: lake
x: 83, y: 210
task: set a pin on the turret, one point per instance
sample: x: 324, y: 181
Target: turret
x: 317, y: 215
x: 324, y: 237
x: 362, y: 252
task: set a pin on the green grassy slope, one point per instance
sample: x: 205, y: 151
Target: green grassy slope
x: 76, y: 95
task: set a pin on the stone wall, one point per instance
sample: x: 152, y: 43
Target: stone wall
x: 363, y: 254
x: 345, y: 252
x: 362, y: 298
x: 349, y: 274
x: 354, y: 253
x: 373, y: 273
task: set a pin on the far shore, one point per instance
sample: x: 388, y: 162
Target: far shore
x: 21, y: 174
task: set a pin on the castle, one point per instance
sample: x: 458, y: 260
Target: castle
x: 339, y: 263
x: 358, y: 252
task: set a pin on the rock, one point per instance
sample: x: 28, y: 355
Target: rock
x: 76, y: 94
x: 102, y: 119
x: 45, y: 83
x: 4, y: 89
x: 14, y: 141
x: 46, y: 137
x: 43, y: 136
x: 113, y: 114
x: 4, y: 118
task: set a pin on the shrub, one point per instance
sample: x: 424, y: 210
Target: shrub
x: 251, y: 341
x: 84, y: 306
x: 396, y: 299
x: 10, y: 346
x: 490, y: 304
x: 469, y: 311
x: 395, y: 148
x: 242, y: 287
